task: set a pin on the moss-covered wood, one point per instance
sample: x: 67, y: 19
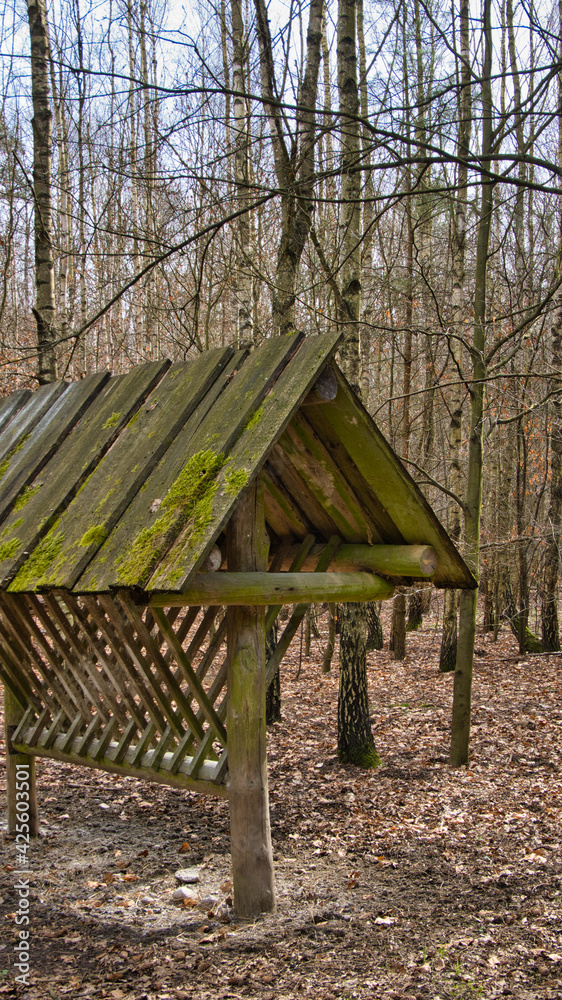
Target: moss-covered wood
x: 32, y: 453
x: 67, y: 471
x: 247, y: 454
x: 90, y: 517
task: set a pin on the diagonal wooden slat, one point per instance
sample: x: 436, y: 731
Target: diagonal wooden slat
x: 174, y: 717
x: 161, y: 666
x: 111, y: 667
x: 191, y: 677
x: 20, y: 623
x: 101, y: 612
x: 143, y: 744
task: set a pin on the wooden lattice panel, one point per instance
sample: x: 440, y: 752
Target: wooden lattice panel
x: 116, y: 686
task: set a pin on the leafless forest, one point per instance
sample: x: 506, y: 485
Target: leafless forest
x: 176, y: 181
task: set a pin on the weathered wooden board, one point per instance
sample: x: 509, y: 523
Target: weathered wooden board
x: 282, y: 513
x: 104, y: 569
x: 33, y: 454
x: 9, y: 405
x: 21, y: 542
x: 90, y: 517
x: 280, y: 468
x: 313, y: 462
x: 391, y: 483
x: 180, y: 488
x: 28, y: 417
x: 382, y: 527
x: 244, y: 461
x: 147, y: 767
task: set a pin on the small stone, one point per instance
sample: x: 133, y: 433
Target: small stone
x: 188, y: 876
x: 209, y: 902
x: 185, y: 893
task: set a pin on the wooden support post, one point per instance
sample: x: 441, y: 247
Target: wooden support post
x: 252, y: 857
x: 18, y: 765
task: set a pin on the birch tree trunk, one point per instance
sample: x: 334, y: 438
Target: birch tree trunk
x: 549, y: 610
x: 462, y: 691
x: 355, y: 738
x: 44, y: 309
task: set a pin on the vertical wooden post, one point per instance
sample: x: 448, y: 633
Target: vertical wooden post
x: 252, y: 857
x: 13, y: 713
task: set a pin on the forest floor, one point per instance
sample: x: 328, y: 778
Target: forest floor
x: 415, y: 880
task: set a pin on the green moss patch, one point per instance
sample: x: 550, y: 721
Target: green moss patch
x: 26, y: 496
x: 5, y: 465
x: 255, y: 418
x: 235, y: 481
x: 9, y: 549
x: 39, y: 562
x: 111, y: 421
x: 189, y: 500
x: 96, y: 535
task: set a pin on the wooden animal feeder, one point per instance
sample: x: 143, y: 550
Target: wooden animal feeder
x: 135, y: 508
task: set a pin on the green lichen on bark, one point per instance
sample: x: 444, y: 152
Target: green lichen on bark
x: 365, y: 757
x: 188, y: 501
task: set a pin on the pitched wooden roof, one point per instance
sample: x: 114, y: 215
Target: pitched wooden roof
x: 128, y: 481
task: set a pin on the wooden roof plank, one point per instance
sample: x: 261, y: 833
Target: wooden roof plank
x: 392, y: 484
x: 243, y: 463
x: 382, y: 527
x: 102, y: 570
x: 281, y: 513
x: 322, y: 477
x: 34, y: 453
x: 89, y: 518
x: 24, y: 557
x: 27, y: 418
x: 9, y: 406
x: 178, y: 484
x: 280, y: 467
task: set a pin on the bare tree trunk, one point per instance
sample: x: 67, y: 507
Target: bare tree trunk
x: 244, y: 282
x: 44, y: 310
x: 355, y: 738
x: 549, y: 611
x: 462, y: 691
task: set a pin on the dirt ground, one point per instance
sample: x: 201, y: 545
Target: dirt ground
x: 415, y: 880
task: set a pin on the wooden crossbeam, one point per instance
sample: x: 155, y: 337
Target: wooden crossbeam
x: 257, y: 589
x: 144, y: 768
x: 389, y: 560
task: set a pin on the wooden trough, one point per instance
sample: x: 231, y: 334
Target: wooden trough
x: 135, y: 509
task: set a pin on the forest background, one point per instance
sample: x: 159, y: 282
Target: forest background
x: 172, y: 182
